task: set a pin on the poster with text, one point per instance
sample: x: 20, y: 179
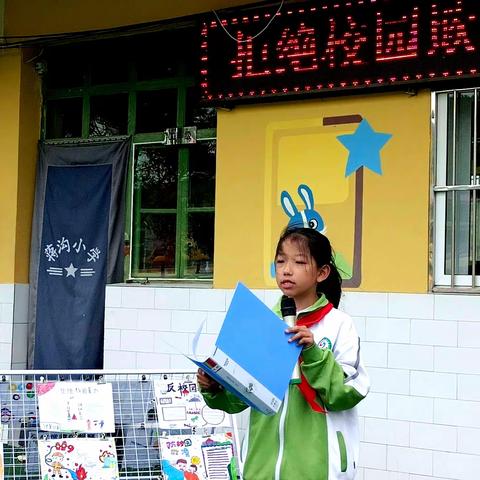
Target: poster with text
x: 76, y: 407
x: 180, y: 406
x: 198, y: 457
x: 79, y: 458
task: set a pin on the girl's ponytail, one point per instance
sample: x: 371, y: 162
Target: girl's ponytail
x: 331, y: 287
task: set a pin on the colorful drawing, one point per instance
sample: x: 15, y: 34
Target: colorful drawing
x: 78, y: 459
x: 76, y: 407
x: 198, y: 457
x: 2, y: 469
x: 180, y: 405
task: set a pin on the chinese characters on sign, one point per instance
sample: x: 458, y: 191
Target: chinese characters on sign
x: 335, y: 44
x: 53, y: 252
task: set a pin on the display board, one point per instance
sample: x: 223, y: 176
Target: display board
x: 326, y: 45
x: 137, y: 443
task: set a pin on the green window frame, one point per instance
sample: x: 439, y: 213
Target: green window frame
x: 80, y: 100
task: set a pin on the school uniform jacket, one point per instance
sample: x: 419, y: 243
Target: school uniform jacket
x: 314, y: 436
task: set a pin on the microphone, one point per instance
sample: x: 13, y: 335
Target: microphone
x: 289, y: 314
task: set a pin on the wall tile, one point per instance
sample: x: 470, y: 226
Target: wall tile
x: 121, y: 318
x: 389, y: 380
x: 469, y: 387
x: 171, y: 342
x: 430, y: 384
x: 7, y: 292
x: 390, y: 432
x: 112, y: 339
x: 430, y: 332
x: 137, y: 341
x: 113, y: 296
x: 403, y: 407
x: 157, y: 361
x: 374, y: 405
x: 409, y: 460
x: 188, y: 321
x: 457, y: 412
x: 374, y: 354
x: 135, y: 296
x: 373, y: 455
x: 410, y: 357
x: 212, y: 300
x: 458, y: 307
x: 468, y: 440
x: 457, y: 360
x: 395, y: 330
x: 366, y: 304
x: 456, y: 466
x: 118, y: 360
x: 155, y: 320
x: 433, y: 437
x: 172, y: 298
x: 403, y: 305
x: 469, y: 334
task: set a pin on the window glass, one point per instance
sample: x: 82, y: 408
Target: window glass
x: 157, y: 246
x: 64, y: 118
x: 156, y: 173
x: 198, y: 115
x: 200, y: 244
x: 156, y: 110
x: 108, y: 115
x: 202, y: 175
x: 109, y: 63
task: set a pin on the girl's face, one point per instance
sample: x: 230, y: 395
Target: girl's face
x: 297, y: 274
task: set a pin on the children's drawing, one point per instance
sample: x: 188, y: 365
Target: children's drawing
x: 181, y: 406
x: 2, y: 463
x: 78, y: 459
x: 76, y: 407
x: 198, y: 457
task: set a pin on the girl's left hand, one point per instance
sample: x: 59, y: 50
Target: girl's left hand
x: 302, y: 335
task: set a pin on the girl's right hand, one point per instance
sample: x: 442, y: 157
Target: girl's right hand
x: 206, y: 382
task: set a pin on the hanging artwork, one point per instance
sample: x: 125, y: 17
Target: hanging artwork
x: 198, y: 457
x: 2, y: 463
x: 181, y: 406
x: 78, y: 458
x: 76, y: 407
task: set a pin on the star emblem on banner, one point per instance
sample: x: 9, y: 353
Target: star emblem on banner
x: 71, y: 270
x: 364, y: 146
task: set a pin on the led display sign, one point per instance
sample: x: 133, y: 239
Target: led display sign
x: 318, y: 46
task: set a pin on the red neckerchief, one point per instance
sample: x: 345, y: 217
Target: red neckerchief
x: 308, y: 392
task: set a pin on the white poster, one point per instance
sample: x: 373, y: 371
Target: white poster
x: 198, y: 457
x: 83, y: 407
x: 180, y: 405
x: 79, y: 458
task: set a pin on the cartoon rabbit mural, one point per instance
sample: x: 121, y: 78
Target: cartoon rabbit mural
x: 307, y: 218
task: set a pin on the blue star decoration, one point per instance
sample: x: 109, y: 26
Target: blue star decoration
x: 364, y: 146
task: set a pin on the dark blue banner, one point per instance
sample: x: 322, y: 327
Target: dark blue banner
x: 75, y: 249
x: 72, y: 274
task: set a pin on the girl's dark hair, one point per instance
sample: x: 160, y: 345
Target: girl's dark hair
x: 319, y: 248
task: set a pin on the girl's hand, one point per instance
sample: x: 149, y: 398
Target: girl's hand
x: 207, y: 383
x: 302, y: 335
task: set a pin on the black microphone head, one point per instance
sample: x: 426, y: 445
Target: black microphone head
x: 288, y: 307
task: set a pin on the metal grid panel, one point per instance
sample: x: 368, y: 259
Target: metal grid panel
x: 137, y: 431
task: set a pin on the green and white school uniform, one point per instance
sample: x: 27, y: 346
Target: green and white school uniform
x: 314, y: 436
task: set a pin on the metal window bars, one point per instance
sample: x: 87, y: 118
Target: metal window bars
x: 138, y: 436
x: 452, y: 189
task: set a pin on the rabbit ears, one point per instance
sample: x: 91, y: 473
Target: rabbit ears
x: 288, y: 205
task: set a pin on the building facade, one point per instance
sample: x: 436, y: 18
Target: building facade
x: 343, y: 129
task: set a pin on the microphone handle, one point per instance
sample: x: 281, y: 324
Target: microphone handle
x: 295, y: 378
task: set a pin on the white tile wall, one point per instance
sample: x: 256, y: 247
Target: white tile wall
x: 421, y: 420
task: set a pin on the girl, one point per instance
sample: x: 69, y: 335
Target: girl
x: 314, y: 436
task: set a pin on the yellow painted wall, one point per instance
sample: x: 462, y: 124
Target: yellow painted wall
x: 10, y: 73
x: 265, y: 149
x: 30, y: 110
x: 38, y: 17
x: 19, y: 133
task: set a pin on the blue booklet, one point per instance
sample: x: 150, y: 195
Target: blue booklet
x: 252, y: 357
